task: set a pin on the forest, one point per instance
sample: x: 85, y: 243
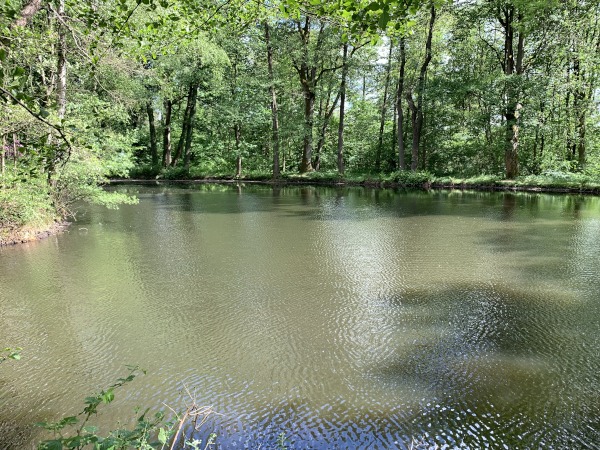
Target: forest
x: 409, y: 90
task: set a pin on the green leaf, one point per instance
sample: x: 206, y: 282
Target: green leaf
x: 108, y: 396
x: 384, y: 18
x: 162, y: 436
x: 71, y: 420
x: 51, y: 445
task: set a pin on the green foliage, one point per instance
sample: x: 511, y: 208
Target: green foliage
x: 25, y: 202
x: 412, y: 179
x: 558, y: 179
x: 175, y: 173
x: 80, y: 181
x: 128, y: 60
x: 74, y: 432
x: 196, y: 444
x: 145, y: 172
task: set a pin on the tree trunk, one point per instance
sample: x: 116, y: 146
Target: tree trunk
x: 329, y: 109
x: 191, y: 99
x: 166, y: 157
x: 190, y: 129
x: 399, y: 93
x: 2, y: 155
x: 340, y: 143
x: 61, y: 87
x: 14, y: 148
x: 309, y: 113
x: 62, y: 63
x: 152, y: 127
x: 237, y: 130
x: 274, y: 116
x: 316, y: 163
x: 309, y: 79
x: 28, y: 11
x: 415, y: 131
x: 417, y: 109
x: 581, y: 140
x: 513, y: 66
x: 383, y: 112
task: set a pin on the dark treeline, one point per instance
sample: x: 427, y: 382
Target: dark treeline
x: 183, y: 88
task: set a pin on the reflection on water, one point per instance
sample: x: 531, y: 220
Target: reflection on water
x: 344, y: 318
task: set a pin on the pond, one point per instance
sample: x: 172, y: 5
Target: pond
x: 341, y: 317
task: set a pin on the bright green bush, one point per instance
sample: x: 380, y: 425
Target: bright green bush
x: 25, y: 201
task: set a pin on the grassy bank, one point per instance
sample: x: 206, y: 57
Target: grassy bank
x: 27, y: 213
x: 547, y: 182
x: 31, y: 208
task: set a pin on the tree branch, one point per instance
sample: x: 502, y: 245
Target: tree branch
x: 27, y: 13
x: 37, y: 117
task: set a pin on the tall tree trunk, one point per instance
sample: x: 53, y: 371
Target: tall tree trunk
x: 190, y: 129
x: 186, y: 122
x: 62, y: 63
x: 15, y: 149
x: 310, y: 74
x: 416, y: 137
x: 166, y: 156
x: 61, y: 87
x: 581, y: 140
x: 513, y: 67
x: 570, y: 150
x: 274, y: 116
x: 399, y: 94
x: 2, y: 155
x: 152, y: 127
x: 364, y: 88
x: 383, y: 111
x: 309, y: 113
x: 417, y: 108
x: 328, y: 113
x: 340, y: 143
x: 237, y: 130
x: 392, y: 159
x: 316, y: 163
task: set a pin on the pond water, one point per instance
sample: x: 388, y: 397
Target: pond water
x: 343, y: 318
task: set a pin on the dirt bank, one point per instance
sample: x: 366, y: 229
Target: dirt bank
x: 28, y: 234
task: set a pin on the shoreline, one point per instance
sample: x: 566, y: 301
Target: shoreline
x: 507, y: 186
x: 32, y: 234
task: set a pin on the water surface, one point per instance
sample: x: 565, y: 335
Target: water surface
x: 344, y: 318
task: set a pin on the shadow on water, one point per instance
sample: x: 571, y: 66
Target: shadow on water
x: 491, y: 367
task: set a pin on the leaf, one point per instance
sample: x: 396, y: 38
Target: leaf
x: 51, y: 445
x: 108, y: 396
x: 162, y: 436
x: 384, y: 18
x: 71, y: 420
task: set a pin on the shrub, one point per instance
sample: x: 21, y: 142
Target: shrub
x: 25, y: 202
